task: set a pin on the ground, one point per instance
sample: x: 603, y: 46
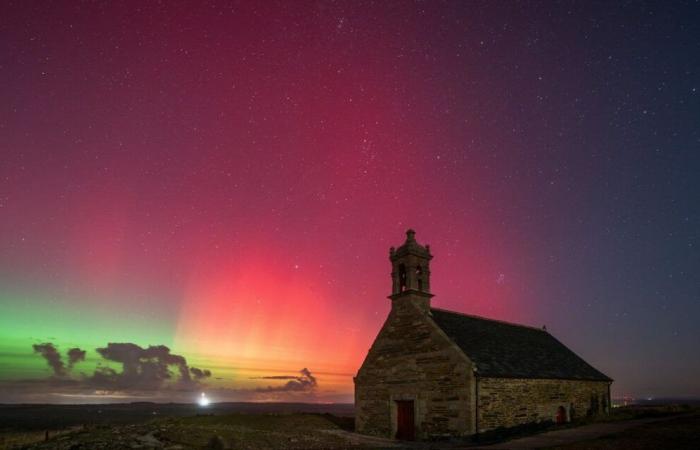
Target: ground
x: 172, y: 428
x: 239, y: 431
x: 679, y: 433
x: 628, y: 428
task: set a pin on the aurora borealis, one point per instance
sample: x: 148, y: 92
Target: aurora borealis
x: 226, y: 180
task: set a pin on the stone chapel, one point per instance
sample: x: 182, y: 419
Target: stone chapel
x: 432, y: 372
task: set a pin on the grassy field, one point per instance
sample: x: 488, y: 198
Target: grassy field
x: 155, y: 425
x: 239, y: 431
x: 12, y: 439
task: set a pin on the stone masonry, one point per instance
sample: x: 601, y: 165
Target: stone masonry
x: 507, y: 402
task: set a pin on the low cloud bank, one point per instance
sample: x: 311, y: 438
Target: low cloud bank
x: 128, y: 372
x: 143, y: 369
x: 53, y: 358
x: 75, y: 355
x: 304, y: 382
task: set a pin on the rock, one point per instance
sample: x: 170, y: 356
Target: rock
x: 149, y: 440
x: 216, y: 443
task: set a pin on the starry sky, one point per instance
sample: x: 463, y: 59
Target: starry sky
x: 202, y: 198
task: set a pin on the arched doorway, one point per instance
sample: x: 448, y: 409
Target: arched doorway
x: 561, y: 415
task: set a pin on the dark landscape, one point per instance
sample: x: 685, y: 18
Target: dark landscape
x: 259, y: 426
x: 189, y: 425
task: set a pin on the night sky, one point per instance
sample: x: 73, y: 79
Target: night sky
x: 216, y: 188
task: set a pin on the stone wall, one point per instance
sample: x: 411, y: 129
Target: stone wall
x: 412, y: 359
x: 506, y: 402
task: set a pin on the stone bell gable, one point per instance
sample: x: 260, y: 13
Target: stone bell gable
x: 432, y: 372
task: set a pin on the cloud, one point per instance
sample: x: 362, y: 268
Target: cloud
x: 50, y: 353
x: 129, y: 371
x: 151, y: 372
x: 305, y: 382
x: 199, y: 374
x: 52, y: 357
x: 143, y: 368
x: 276, y: 377
x: 75, y: 355
x: 143, y: 378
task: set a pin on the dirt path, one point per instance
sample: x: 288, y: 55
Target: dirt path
x: 548, y: 439
x: 361, y: 439
x: 570, y: 435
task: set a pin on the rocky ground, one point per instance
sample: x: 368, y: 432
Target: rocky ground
x: 626, y: 428
x: 240, y: 431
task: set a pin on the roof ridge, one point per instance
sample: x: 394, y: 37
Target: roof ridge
x: 474, y: 316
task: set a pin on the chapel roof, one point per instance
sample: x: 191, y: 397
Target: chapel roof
x: 502, y: 349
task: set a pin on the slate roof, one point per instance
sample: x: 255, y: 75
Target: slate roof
x: 501, y: 349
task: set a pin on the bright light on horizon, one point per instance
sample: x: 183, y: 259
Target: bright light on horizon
x: 203, y: 400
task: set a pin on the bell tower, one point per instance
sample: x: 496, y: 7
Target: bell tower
x: 410, y: 273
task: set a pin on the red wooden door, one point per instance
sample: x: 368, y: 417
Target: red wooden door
x: 561, y: 415
x: 405, y: 429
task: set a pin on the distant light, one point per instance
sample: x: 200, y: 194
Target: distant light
x: 203, y: 400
